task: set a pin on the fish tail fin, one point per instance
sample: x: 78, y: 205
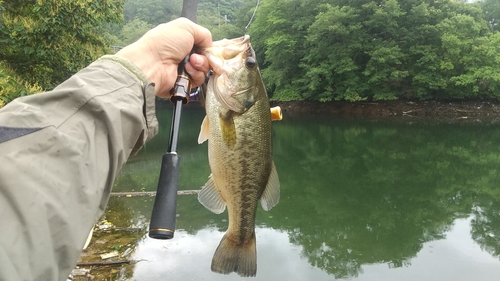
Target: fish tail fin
x: 231, y: 257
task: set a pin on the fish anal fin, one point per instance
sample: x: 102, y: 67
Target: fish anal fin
x: 204, y: 131
x: 210, y: 197
x: 271, y: 195
x: 232, y: 257
x: 228, y: 129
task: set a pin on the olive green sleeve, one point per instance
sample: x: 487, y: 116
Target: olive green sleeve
x: 60, y: 152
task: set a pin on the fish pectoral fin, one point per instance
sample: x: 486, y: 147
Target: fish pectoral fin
x: 210, y: 198
x: 271, y: 195
x: 228, y: 129
x: 204, y: 131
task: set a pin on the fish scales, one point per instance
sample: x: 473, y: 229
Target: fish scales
x: 238, y: 129
x: 244, y: 169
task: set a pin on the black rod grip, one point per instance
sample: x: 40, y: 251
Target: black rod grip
x: 162, y: 225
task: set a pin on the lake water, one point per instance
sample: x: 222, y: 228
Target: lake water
x: 394, y: 199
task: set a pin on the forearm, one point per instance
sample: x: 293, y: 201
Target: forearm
x: 57, y: 170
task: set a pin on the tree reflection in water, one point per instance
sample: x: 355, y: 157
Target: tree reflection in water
x: 356, y: 193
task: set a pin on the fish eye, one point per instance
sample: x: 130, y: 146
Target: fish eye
x: 250, y: 63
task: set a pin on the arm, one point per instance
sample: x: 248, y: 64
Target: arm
x: 60, y: 152
x: 56, y: 177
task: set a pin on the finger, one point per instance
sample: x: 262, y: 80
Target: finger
x: 202, y: 36
x: 167, y: 81
x: 197, y: 76
x: 199, y: 62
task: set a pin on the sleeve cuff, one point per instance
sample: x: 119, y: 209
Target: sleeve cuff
x: 127, y: 65
x: 149, y: 95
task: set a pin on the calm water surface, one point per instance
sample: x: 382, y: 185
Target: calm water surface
x: 400, y: 199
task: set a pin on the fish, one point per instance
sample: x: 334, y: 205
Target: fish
x: 237, y: 126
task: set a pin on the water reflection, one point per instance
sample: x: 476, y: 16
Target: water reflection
x: 190, y: 256
x: 360, y: 199
x: 279, y: 259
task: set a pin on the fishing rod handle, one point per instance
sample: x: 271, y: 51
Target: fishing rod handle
x: 162, y: 225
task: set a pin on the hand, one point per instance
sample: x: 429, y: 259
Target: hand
x: 158, y: 52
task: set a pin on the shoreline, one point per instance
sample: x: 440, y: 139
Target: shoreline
x: 457, y: 109
x: 487, y: 111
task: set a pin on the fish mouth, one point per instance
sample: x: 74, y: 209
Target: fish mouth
x: 226, y: 58
x: 225, y: 50
x: 235, y: 41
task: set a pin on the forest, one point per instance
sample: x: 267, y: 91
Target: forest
x: 324, y: 50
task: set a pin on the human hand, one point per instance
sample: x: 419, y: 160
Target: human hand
x: 158, y: 52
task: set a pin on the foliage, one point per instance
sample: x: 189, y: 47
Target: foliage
x: 46, y: 41
x: 131, y: 31
x: 378, y: 50
x: 277, y: 37
x: 323, y: 50
x: 221, y: 17
x: 491, y: 11
x: 153, y: 12
x: 12, y: 86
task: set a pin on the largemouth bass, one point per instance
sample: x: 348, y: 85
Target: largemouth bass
x: 238, y: 129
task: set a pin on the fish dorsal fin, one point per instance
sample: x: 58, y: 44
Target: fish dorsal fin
x: 204, y: 131
x: 271, y: 195
x: 210, y: 197
x: 228, y: 129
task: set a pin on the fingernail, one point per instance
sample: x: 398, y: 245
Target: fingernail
x: 198, y: 61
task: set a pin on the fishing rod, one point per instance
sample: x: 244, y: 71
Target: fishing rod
x: 253, y: 15
x: 162, y: 224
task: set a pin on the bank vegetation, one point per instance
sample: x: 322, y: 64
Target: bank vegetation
x: 324, y: 50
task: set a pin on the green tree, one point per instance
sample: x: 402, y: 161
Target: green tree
x: 481, y: 75
x: 335, y: 74
x: 12, y: 86
x: 422, y: 45
x: 45, y: 42
x: 132, y: 31
x: 385, y: 68
x: 222, y: 17
x: 376, y: 50
x: 278, y: 33
x: 491, y: 11
x: 153, y: 12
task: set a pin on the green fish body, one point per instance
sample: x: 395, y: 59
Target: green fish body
x: 238, y: 129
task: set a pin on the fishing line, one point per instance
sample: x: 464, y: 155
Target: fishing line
x: 253, y: 15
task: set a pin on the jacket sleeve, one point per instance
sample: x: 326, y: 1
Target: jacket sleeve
x: 60, y: 152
